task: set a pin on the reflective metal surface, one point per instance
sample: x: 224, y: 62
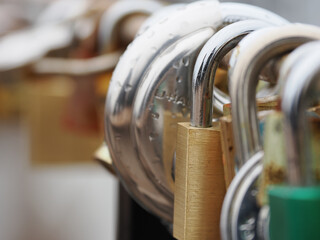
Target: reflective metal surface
x: 253, y: 52
x: 240, y: 211
x: 150, y: 92
x: 301, y: 89
x: 207, y: 63
x: 131, y: 69
x: 245, y: 64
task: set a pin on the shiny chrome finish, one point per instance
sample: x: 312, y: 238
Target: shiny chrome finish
x: 153, y: 80
x: 160, y: 15
x: 207, y: 63
x: 130, y: 71
x: 241, y: 218
x: 253, y: 52
x: 245, y: 64
x: 301, y: 89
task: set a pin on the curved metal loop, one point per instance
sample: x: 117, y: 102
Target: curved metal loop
x: 252, y: 54
x: 162, y: 100
x: 240, y: 212
x: 207, y: 63
x: 117, y: 12
x: 291, y: 61
x: 301, y: 89
x: 160, y: 15
x: 153, y: 80
x: 132, y: 68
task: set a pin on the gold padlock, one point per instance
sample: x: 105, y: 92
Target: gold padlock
x: 200, y: 183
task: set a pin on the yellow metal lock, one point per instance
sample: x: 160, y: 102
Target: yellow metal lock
x: 200, y: 181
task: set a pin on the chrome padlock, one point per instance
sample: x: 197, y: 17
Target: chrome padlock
x: 240, y: 213
x: 152, y: 84
x: 296, y: 206
x: 199, y: 165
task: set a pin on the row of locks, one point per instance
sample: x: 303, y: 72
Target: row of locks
x: 212, y: 114
x: 212, y: 122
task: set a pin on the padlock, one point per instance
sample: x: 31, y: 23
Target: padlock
x: 152, y: 82
x: 199, y: 179
x: 240, y: 217
x: 295, y: 207
x: 274, y: 162
x: 122, y: 20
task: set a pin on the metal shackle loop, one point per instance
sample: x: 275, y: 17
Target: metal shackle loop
x: 245, y: 64
x: 132, y: 68
x: 116, y: 13
x: 158, y: 59
x: 207, y: 63
x: 166, y: 87
x: 301, y: 89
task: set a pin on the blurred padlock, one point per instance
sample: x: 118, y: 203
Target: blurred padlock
x: 274, y: 162
x: 240, y: 217
x: 295, y: 207
x: 151, y: 93
x: 199, y: 179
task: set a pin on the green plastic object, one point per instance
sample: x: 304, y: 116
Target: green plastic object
x: 294, y: 213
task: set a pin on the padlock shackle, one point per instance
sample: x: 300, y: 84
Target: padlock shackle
x: 301, y: 89
x: 253, y: 53
x: 113, y: 16
x: 206, y: 66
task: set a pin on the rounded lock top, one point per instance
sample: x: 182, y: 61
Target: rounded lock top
x: 150, y: 92
x: 207, y: 63
x: 116, y: 13
x: 133, y: 67
x: 301, y: 89
x: 252, y: 54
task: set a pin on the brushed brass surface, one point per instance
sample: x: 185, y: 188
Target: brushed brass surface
x: 199, y: 183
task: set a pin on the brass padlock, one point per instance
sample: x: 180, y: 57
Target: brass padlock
x: 295, y: 206
x: 240, y: 216
x: 199, y: 179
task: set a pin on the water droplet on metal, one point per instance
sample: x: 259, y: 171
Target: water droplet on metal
x: 151, y: 107
x: 153, y: 136
x: 128, y: 87
x: 176, y: 65
x: 155, y: 115
x: 163, y: 20
x: 160, y: 94
x: 154, y: 49
x: 185, y: 61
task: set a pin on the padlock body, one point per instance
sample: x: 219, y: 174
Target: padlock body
x: 199, y: 183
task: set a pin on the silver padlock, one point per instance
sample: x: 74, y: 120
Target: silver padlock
x: 153, y: 79
x: 240, y: 212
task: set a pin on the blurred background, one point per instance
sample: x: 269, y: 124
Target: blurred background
x: 56, y: 60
